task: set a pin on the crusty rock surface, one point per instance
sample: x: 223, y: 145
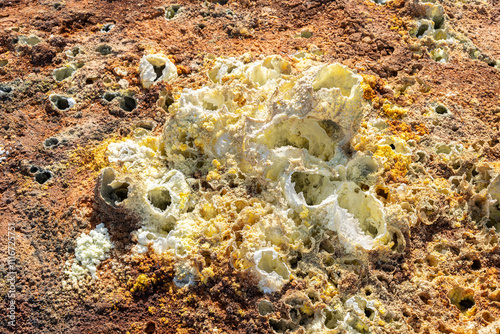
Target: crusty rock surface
x: 426, y: 130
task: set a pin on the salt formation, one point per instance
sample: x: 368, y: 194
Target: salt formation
x: 63, y: 72
x: 274, y: 273
x: 255, y: 164
x: 90, y: 250
x: 436, y: 34
x: 284, y: 128
x: 434, y: 24
x: 154, y: 68
x: 61, y: 102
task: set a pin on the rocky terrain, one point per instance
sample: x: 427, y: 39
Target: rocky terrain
x: 250, y: 166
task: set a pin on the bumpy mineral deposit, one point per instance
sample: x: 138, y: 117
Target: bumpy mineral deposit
x: 250, y: 166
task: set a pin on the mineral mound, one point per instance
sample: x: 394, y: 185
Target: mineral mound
x: 250, y: 166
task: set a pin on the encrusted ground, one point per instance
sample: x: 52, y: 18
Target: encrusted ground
x: 255, y: 244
